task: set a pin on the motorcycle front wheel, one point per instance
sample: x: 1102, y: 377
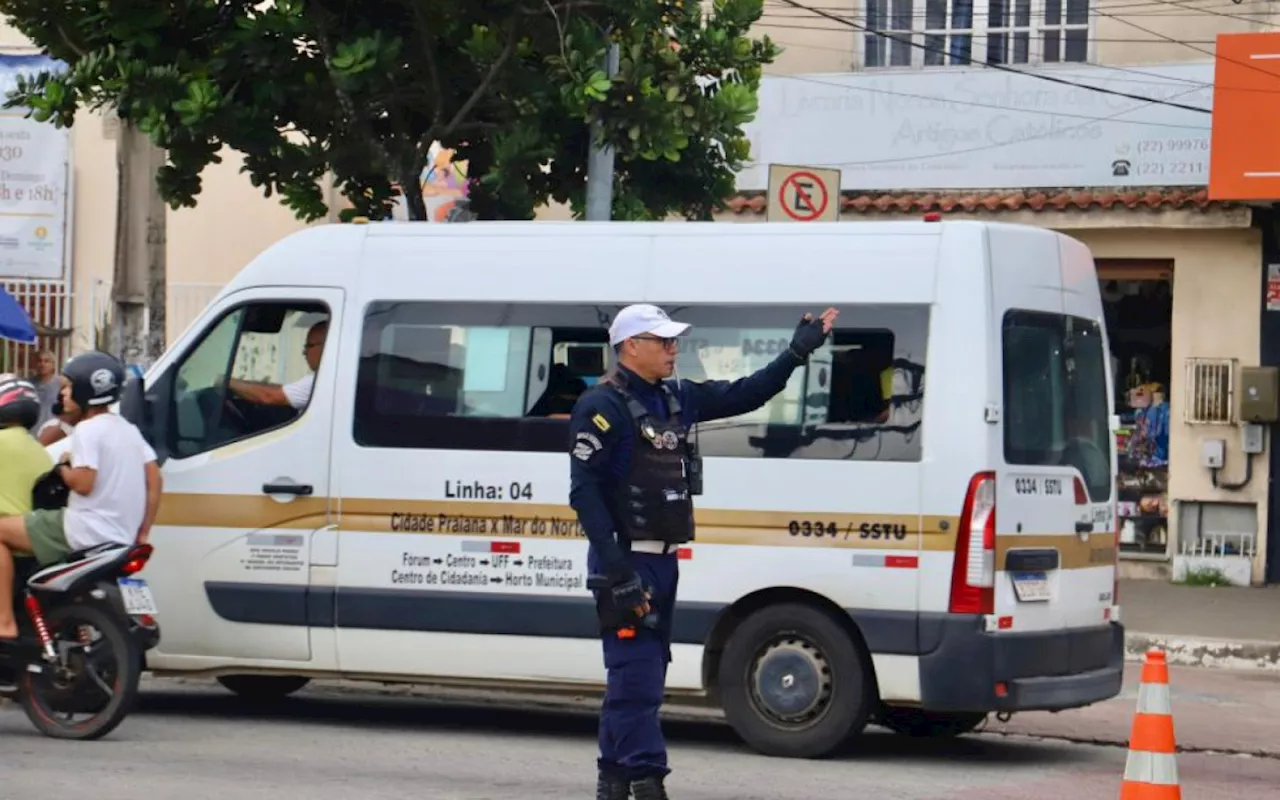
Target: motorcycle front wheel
x: 96, y: 674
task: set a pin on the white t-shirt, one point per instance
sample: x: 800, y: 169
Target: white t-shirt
x: 55, y: 422
x: 114, y: 510
x: 299, y: 392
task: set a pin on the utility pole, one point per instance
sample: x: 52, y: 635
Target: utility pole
x: 600, y: 159
x: 138, y: 285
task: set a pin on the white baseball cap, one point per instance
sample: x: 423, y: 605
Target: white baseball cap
x: 641, y: 318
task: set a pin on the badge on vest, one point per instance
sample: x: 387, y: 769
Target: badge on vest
x: 666, y: 441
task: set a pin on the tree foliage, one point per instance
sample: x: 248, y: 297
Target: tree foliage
x: 302, y: 87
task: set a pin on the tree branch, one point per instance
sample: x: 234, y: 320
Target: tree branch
x: 433, y: 67
x: 67, y: 41
x: 488, y: 80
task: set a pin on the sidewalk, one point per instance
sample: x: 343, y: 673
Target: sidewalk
x: 1227, y: 627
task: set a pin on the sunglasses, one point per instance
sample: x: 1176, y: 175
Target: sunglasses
x: 667, y: 342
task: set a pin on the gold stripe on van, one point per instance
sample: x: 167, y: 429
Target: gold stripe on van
x: 542, y: 521
x: 1097, y: 550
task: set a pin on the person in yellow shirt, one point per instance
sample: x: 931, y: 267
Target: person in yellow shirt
x: 22, y: 459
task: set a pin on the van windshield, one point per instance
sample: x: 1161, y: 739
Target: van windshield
x: 1055, y: 396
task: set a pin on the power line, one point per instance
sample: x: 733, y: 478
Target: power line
x: 980, y: 33
x: 1089, y: 117
x: 1111, y: 8
x: 1209, y: 53
x: 1001, y: 67
x: 1166, y: 80
x: 1184, y: 13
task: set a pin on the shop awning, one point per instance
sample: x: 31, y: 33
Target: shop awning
x: 15, y: 323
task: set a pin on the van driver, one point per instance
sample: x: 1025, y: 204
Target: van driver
x: 296, y: 394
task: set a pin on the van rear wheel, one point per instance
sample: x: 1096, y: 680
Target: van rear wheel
x: 263, y: 688
x: 930, y: 724
x: 793, y: 682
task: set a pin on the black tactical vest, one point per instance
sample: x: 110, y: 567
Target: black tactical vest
x: 652, y: 502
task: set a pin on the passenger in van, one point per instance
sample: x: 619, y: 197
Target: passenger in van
x: 632, y: 477
x: 563, y: 390
x: 294, y: 395
x: 110, y: 469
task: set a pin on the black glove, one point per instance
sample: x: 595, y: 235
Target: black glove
x: 808, y: 337
x: 628, y: 594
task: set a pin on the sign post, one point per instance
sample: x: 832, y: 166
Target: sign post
x: 803, y: 194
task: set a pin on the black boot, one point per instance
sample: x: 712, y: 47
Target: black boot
x: 611, y: 787
x: 649, y: 789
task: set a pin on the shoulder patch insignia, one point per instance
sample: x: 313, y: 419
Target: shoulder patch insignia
x: 601, y: 423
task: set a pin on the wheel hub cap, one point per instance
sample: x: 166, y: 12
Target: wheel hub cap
x: 792, y: 681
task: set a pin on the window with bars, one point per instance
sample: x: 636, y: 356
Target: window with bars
x: 935, y: 33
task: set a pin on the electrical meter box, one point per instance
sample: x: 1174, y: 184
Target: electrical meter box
x: 1259, y: 394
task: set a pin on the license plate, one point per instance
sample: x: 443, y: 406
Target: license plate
x: 137, y: 596
x: 1031, y: 587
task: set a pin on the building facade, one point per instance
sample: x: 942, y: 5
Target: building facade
x: 1087, y: 117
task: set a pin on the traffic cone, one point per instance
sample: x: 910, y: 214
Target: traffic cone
x: 1151, y: 769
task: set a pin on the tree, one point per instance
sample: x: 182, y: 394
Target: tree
x: 304, y: 87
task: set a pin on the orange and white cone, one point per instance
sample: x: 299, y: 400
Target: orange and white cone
x: 1151, y: 769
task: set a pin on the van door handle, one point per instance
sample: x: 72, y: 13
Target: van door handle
x: 300, y: 489
x: 1084, y: 527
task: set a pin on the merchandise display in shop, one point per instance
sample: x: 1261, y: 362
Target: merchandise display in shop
x: 1143, y: 476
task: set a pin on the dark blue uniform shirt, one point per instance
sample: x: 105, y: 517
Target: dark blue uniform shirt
x: 601, y: 434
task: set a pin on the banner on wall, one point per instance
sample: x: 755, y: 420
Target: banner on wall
x: 34, y: 170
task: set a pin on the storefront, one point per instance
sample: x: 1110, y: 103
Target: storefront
x: 1178, y: 273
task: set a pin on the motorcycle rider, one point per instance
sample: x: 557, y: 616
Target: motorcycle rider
x: 110, y: 469
x: 22, y: 459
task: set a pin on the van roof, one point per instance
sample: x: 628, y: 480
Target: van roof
x: 328, y: 254
x: 668, y: 229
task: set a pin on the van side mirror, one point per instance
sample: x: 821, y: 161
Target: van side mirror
x: 133, y: 404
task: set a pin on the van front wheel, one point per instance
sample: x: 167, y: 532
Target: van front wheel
x: 263, y: 688
x: 793, y: 682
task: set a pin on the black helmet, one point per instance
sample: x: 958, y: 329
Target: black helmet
x: 96, y: 378
x: 19, y: 402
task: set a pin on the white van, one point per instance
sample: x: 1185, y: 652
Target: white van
x: 918, y: 531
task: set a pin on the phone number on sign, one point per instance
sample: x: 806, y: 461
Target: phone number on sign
x: 1173, y: 146
x: 1172, y: 168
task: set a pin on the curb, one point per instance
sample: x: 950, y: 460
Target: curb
x: 1193, y: 651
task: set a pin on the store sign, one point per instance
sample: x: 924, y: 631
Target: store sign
x: 983, y: 128
x: 1273, y: 287
x: 34, y: 158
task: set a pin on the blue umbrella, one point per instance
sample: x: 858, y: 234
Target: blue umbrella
x: 15, y: 324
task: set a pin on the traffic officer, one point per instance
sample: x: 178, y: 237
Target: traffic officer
x: 632, y: 476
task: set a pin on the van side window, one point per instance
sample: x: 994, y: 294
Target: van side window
x: 1055, y: 396
x: 494, y: 376
x: 250, y: 373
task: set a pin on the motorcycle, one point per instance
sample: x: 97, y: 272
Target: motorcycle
x: 82, y: 640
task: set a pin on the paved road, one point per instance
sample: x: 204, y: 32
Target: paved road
x: 197, y: 742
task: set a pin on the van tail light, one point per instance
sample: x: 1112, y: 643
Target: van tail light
x: 973, y: 576
x: 1082, y: 494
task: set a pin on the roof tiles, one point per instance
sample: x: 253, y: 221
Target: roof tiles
x: 854, y: 202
